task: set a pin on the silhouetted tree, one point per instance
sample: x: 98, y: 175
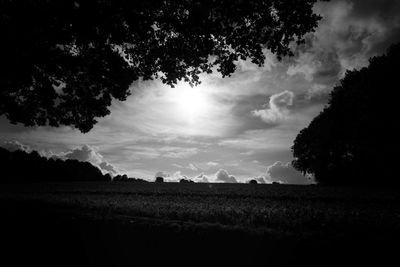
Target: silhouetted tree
x: 125, y: 178
x: 354, y: 140
x: 118, y: 178
x: 159, y: 180
x: 108, y: 177
x: 185, y: 181
x: 20, y: 166
x: 63, y: 61
x: 253, y: 181
x: 136, y: 180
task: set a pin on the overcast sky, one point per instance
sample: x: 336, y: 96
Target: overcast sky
x: 231, y: 129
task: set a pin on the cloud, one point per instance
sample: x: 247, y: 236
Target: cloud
x: 178, y: 166
x: 107, y: 167
x: 178, y: 152
x: 193, y: 167
x: 284, y: 173
x: 14, y: 145
x: 247, y: 153
x: 176, y: 177
x: 85, y: 153
x: 278, y: 108
x: 318, y: 64
x: 212, y: 163
x: 201, y: 178
x: 89, y: 154
x: 280, y: 137
x: 348, y: 35
x: 223, y: 176
x: 190, y: 166
x: 318, y: 93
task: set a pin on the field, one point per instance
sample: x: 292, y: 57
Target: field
x: 198, y: 224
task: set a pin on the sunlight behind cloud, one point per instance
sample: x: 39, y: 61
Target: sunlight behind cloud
x: 191, y: 103
x: 160, y: 110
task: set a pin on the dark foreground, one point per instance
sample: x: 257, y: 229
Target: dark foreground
x: 197, y: 224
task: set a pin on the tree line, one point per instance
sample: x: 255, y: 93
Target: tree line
x: 20, y: 166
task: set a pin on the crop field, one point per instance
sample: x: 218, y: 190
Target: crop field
x: 237, y: 224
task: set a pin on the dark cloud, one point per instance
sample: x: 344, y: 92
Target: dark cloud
x: 223, y: 176
x: 382, y: 9
x: 241, y: 111
x: 285, y: 173
x: 348, y: 35
x: 14, y: 145
x: 316, y: 95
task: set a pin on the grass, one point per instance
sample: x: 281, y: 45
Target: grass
x: 259, y: 220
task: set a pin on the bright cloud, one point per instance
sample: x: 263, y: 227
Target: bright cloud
x: 201, y: 178
x: 223, y: 176
x: 278, y: 108
x: 89, y: 154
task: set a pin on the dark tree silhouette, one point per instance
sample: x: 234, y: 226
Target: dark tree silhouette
x: 125, y: 178
x: 121, y: 178
x: 186, y: 181
x: 63, y: 61
x: 354, y: 140
x: 20, y: 166
x: 159, y: 180
x: 253, y: 181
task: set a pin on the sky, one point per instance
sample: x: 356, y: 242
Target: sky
x: 226, y: 129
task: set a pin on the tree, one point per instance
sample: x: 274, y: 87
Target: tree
x: 64, y: 61
x: 354, y: 140
x: 159, y: 179
x: 186, y: 181
x: 20, y: 166
x: 253, y: 181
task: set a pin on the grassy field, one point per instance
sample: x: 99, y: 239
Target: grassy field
x: 216, y: 224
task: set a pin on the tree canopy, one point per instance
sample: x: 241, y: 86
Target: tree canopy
x: 20, y: 166
x: 354, y: 140
x: 64, y: 61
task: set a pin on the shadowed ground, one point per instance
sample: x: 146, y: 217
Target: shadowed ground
x: 114, y: 224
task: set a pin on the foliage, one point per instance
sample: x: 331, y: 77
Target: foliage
x: 186, y: 181
x: 64, y: 61
x: 125, y: 178
x: 354, y: 139
x: 159, y: 180
x: 20, y: 166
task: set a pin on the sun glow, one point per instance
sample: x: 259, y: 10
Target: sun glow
x: 191, y: 103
